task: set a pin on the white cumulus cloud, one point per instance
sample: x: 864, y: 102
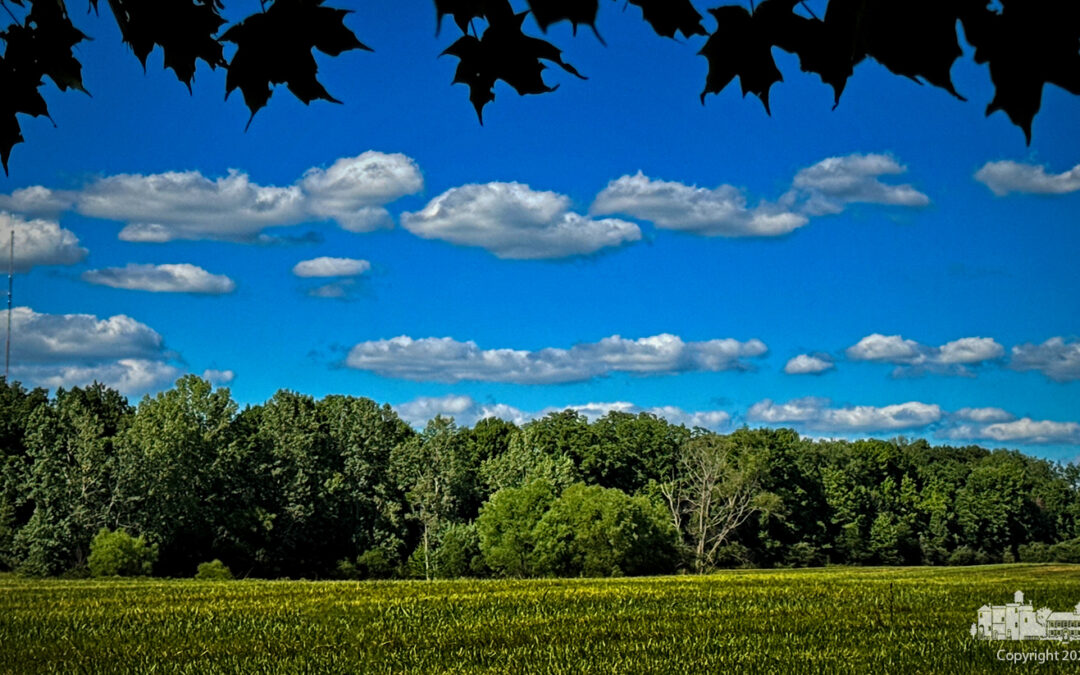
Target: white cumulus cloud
x: 53, y: 338
x: 1007, y: 176
x: 808, y: 364
x: 1057, y: 359
x: 1001, y: 426
x: 832, y: 183
x: 187, y: 205
x: 448, y: 360
x: 818, y: 414
x: 353, y: 190
x: 911, y: 357
x: 513, y: 221
x: 128, y: 376
x: 178, y: 278
x: 331, y: 267
x: 66, y: 350
x: 720, y: 211
x: 37, y: 200
x: 38, y: 242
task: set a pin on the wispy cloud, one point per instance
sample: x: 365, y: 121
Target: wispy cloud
x: 448, y: 360
x: 465, y: 410
x: 1007, y: 176
x: 818, y: 414
x: 179, y: 278
x: 514, y: 221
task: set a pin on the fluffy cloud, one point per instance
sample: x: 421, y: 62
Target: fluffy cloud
x: 38, y: 201
x: 447, y: 360
x: 38, y: 242
x: 721, y: 211
x: 181, y: 278
x: 514, y: 221
x: 832, y: 183
x: 806, y: 364
x: 331, y: 267
x: 824, y: 188
x: 1055, y: 358
x: 188, y: 205
x: 353, y: 190
x: 219, y: 377
x: 465, y: 410
x: 910, y: 357
x: 54, y: 338
x: 817, y: 414
x: 995, y: 424
x: 1007, y: 176
x: 55, y: 350
x: 128, y: 376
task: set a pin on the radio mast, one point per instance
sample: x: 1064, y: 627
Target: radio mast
x: 10, y: 288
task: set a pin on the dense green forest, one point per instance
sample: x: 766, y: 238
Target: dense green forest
x: 341, y: 487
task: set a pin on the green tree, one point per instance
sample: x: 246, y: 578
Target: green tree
x: 168, y: 470
x: 117, y: 553
x: 71, y: 478
x: 507, y: 527
x: 594, y: 531
x: 717, y: 488
x: 434, y: 472
x: 17, y: 404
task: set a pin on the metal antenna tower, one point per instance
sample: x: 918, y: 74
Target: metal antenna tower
x: 10, y: 288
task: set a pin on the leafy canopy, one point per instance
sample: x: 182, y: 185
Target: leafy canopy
x: 1025, y: 43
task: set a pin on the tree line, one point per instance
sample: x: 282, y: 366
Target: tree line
x: 342, y: 487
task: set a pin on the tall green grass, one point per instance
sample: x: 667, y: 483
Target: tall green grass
x: 832, y: 620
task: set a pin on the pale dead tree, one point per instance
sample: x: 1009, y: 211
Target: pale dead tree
x: 715, y: 489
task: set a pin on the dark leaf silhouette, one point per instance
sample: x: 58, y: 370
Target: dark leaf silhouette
x: 668, y: 16
x: 1030, y: 43
x: 504, y: 53
x: 463, y: 11
x: 547, y: 12
x: 1025, y: 43
x: 39, y: 47
x: 274, y: 47
x: 741, y: 48
x: 184, y: 29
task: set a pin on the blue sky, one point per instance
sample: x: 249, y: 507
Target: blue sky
x: 612, y: 245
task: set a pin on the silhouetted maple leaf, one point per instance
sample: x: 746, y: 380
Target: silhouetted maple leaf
x: 504, y: 53
x: 739, y: 48
x: 184, y: 29
x: 668, y: 16
x: 463, y: 11
x: 1030, y: 43
x: 547, y: 12
x: 274, y: 47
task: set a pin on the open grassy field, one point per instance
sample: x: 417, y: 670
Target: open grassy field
x: 838, y: 620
